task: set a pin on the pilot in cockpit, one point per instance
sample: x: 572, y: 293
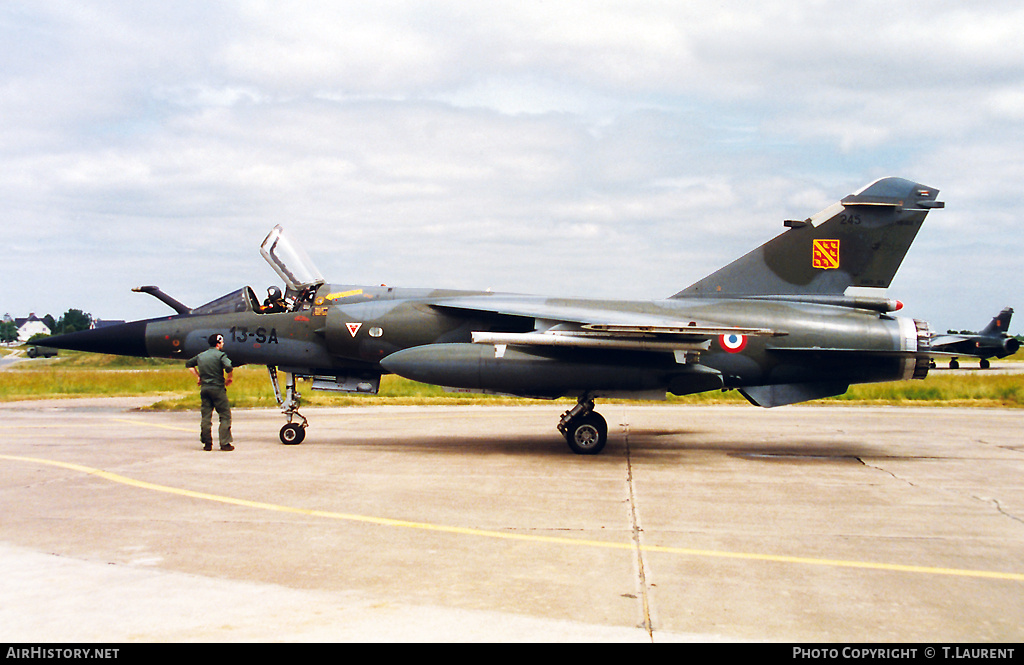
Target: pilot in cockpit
x: 275, y: 301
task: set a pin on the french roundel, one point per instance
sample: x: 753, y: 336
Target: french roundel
x: 733, y: 343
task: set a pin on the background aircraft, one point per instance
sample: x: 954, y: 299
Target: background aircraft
x: 775, y: 324
x: 992, y: 342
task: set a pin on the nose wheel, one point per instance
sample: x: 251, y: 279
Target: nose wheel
x: 294, y: 431
x: 585, y: 430
x: 292, y: 434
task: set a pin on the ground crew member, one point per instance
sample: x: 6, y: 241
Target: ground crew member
x: 212, y: 370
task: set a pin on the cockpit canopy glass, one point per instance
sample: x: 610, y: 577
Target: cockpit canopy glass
x: 242, y: 300
x: 290, y: 261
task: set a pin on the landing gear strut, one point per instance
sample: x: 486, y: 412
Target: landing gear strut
x: 584, y: 429
x: 293, y: 432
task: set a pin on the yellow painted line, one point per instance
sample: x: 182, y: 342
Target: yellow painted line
x: 116, y: 420
x: 549, y: 540
x: 839, y: 563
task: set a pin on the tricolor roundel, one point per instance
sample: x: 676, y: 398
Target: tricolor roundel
x: 732, y: 343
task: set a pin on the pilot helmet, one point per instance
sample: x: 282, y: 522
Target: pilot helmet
x: 274, y: 293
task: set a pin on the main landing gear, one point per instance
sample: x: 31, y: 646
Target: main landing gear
x: 584, y: 429
x: 294, y: 431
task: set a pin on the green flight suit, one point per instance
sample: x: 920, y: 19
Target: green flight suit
x: 211, y: 365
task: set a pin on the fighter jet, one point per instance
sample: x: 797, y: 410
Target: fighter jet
x: 776, y: 324
x: 992, y: 342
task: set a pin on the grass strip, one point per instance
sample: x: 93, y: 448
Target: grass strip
x: 93, y: 375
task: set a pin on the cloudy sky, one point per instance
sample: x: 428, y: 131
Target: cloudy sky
x: 611, y: 149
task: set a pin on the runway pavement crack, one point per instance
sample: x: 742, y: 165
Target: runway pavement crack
x: 637, y: 532
x: 1002, y: 446
x: 1000, y: 509
x: 994, y: 502
x: 886, y: 471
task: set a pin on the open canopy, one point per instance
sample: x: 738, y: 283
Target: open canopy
x: 290, y: 261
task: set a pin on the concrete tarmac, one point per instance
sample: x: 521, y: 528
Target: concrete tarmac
x: 847, y: 524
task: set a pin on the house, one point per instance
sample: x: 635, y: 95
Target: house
x: 29, y: 327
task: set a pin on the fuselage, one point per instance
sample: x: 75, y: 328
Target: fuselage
x: 351, y: 329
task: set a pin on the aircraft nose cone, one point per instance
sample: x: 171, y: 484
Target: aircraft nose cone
x: 126, y: 339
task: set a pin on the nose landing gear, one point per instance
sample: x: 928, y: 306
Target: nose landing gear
x: 294, y: 431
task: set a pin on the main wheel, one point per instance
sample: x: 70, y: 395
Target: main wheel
x: 587, y: 434
x: 292, y: 434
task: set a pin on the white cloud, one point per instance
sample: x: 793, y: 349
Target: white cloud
x: 1007, y: 103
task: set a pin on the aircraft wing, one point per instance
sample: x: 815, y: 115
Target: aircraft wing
x: 954, y: 345
x: 567, y: 310
x: 592, y: 324
x: 941, y: 341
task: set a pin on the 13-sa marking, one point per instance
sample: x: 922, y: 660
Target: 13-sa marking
x: 260, y: 335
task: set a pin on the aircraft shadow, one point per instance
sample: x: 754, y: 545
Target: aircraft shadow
x: 689, y: 442
x: 640, y: 444
x: 507, y: 444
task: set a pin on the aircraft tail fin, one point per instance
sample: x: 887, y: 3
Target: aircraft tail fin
x: 858, y: 241
x: 999, y: 325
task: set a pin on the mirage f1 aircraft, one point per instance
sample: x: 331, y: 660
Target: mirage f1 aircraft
x: 992, y: 342
x: 775, y: 324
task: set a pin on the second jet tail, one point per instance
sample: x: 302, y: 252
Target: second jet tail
x: 858, y: 241
x: 1000, y: 325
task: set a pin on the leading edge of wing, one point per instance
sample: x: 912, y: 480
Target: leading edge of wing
x: 555, y: 310
x: 593, y: 324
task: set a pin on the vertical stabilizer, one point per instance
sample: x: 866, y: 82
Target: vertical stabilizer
x: 858, y: 241
x: 1000, y: 325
